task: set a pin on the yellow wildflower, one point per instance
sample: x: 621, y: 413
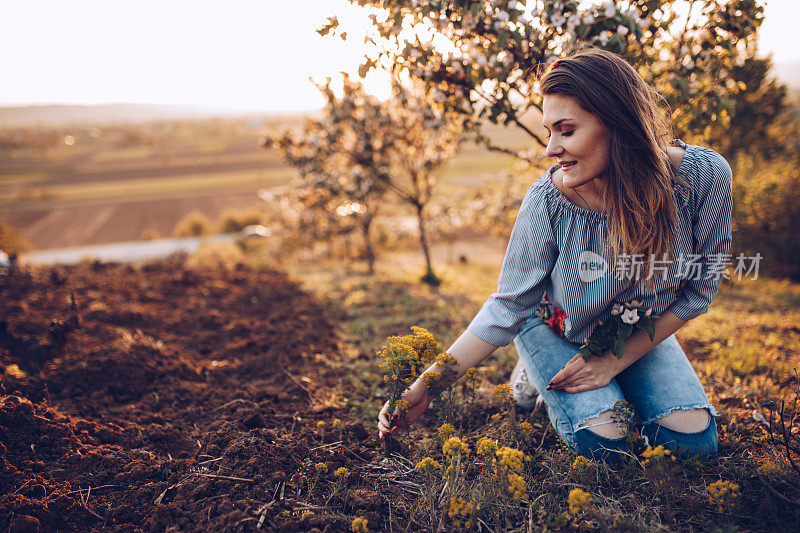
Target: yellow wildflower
x: 337, y: 423
x: 472, y: 378
x: 581, y: 463
x: 433, y: 381
x: 342, y: 472
x: 579, y: 501
x: 446, y: 361
x: 451, y: 471
x: 15, y: 371
x: 657, y: 453
x: 517, y: 487
x: 724, y: 495
x: 446, y: 431
x: 770, y: 469
x: 321, y: 425
x: 461, y: 507
x: 526, y: 428
x: 496, y: 417
x: 510, y: 458
x: 402, y: 407
x: 503, y: 394
x: 424, y: 343
x: 486, y: 447
x: 455, y: 446
x: 428, y: 464
x: 321, y: 467
x: 359, y: 525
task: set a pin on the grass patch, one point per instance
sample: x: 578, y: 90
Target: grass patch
x: 745, y: 351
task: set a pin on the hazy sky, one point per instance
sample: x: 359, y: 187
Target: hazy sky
x: 238, y: 54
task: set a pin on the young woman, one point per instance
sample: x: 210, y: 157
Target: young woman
x: 622, y: 216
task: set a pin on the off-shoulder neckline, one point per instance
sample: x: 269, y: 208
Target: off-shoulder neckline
x: 601, y: 215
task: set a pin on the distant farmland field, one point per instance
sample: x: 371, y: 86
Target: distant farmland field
x: 72, y: 186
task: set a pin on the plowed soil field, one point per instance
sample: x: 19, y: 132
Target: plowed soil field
x: 183, y: 401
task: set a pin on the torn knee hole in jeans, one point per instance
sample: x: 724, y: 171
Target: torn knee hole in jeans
x: 684, y: 424
x: 604, y: 422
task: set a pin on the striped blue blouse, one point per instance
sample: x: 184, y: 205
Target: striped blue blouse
x: 554, y: 241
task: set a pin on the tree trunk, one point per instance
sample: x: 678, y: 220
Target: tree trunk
x: 430, y: 278
x: 368, y: 250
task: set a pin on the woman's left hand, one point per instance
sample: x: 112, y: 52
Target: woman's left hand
x: 579, y: 375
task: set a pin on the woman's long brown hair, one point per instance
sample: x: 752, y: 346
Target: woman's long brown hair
x: 639, y: 197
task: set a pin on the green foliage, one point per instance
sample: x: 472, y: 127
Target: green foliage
x: 765, y: 199
x: 236, y: 219
x: 363, y: 148
x: 610, y: 336
x: 194, y: 224
x: 500, y: 47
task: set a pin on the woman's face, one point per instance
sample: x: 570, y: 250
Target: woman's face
x: 578, y: 140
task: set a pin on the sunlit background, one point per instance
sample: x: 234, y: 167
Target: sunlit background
x: 238, y: 55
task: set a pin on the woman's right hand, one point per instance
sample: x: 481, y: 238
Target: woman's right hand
x: 418, y: 399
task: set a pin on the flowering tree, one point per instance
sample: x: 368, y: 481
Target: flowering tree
x: 363, y: 148
x: 480, y: 58
x: 343, y: 165
x: 425, y: 139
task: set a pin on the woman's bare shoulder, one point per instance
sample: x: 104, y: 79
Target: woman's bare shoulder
x: 675, y: 154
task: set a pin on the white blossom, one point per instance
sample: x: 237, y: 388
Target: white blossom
x: 622, y: 30
x: 604, y: 37
x: 573, y: 21
x: 610, y: 9
x: 589, y: 19
x: 630, y: 316
x: 502, y: 15
x: 558, y: 19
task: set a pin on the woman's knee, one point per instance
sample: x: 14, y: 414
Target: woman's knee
x: 604, y: 425
x: 594, y: 446
x: 686, y: 421
x: 702, y: 442
x: 600, y: 437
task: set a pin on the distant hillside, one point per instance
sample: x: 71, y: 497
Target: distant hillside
x: 61, y: 115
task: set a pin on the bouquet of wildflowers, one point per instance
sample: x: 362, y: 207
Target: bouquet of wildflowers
x: 404, y: 358
x: 611, y: 334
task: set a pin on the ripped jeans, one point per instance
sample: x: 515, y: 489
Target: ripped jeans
x: 658, y: 383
